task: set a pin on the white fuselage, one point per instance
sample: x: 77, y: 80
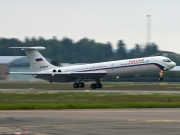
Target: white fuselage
x: 123, y: 67
x: 42, y: 69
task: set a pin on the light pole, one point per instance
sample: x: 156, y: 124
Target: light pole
x: 148, y: 29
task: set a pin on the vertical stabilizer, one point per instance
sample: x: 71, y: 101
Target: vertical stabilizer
x: 37, y: 61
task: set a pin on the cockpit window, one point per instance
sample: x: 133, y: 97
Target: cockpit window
x: 166, y: 60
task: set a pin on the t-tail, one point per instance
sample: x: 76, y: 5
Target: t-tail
x: 36, y: 60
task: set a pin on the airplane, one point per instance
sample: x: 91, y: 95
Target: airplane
x: 95, y: 71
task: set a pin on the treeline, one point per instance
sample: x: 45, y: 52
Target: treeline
x: 82, y: 51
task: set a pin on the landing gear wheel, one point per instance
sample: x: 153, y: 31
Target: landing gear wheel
x: 93, y: 86
x: 76, y: 85
x: 98, y: 85
x: 81, y: 85
x: 160, y: 78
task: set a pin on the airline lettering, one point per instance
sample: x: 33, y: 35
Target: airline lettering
x: 44, y: 66
x: 136, y: 61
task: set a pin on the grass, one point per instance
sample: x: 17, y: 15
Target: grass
x: 63, y: 100
x: 88, y: 106
x: 68, y: 100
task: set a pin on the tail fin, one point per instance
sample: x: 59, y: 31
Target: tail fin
x: 37, y: 61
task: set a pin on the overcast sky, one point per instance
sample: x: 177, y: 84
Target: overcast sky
x: 101, y: 20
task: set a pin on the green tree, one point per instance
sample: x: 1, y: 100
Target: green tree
x: 55, y: 62
x: 150, y: 49
x: 121, y: 51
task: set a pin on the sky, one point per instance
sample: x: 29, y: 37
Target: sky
x: 101, y: 20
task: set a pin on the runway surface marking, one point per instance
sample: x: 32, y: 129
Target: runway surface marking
x: 153, y: 121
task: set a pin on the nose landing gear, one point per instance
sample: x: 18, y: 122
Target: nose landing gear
x: 160, y: 76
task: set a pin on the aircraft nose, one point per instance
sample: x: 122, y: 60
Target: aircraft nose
x: 173, y: 64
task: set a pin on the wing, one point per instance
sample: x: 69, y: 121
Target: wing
x: 176, y: 68
x: 64, y: 76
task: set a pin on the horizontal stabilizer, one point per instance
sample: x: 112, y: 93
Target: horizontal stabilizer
x: 27, y: 48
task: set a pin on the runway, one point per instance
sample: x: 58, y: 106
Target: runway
x: 90, y: 90
x: 93, y: 121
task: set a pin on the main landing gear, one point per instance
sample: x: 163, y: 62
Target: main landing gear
x: 96, y: 85
x: 160, y: 76
x: 93, y: 85
x: 79, y: 85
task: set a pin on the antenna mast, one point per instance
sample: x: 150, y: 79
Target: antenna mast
x: 148, y: 29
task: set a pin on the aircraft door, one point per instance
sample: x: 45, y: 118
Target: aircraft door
x: 99, y: 67
x: 147, y: 62
x: 112, y: 66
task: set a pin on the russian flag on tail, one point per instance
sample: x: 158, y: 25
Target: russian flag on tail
x: 38, y: 59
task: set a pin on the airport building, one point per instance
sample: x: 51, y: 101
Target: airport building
x: 19, y: 65
x: 4, y: 62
